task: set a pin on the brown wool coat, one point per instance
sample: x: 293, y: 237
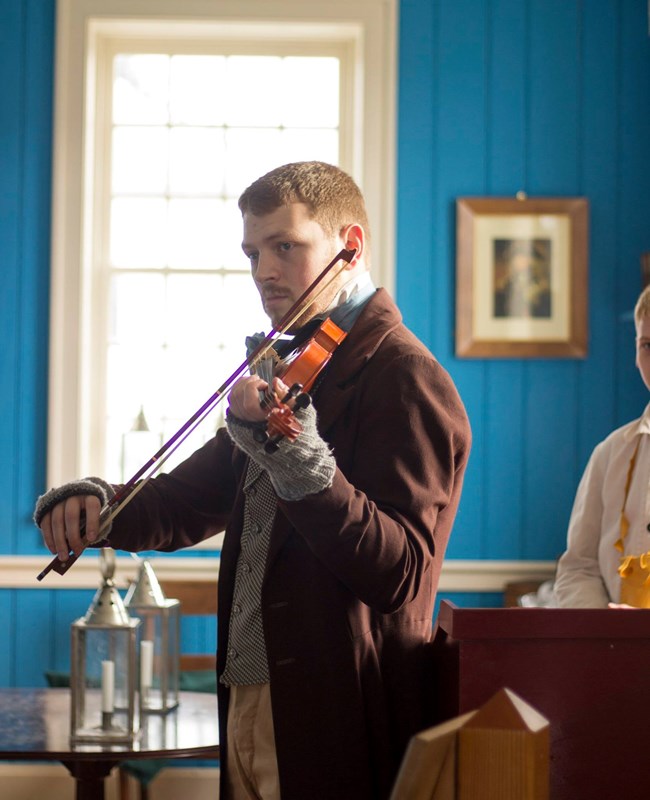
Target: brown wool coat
x: 352, y: 572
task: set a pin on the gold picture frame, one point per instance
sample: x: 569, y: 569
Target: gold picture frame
x: 521, y: 277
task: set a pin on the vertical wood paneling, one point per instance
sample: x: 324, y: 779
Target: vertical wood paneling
x: 553, y: 102
x: 550, y: 435
x: 26, y: 67
x: 461, y: 127
x: 599, y: 131
x: 198, y: 635
x: 536, y: 96
x: 634, y: 194
x: 33, y: 636
x: 67, y: 606
x: 554, y: 97
x: 7, y: 648
x: 508, y: 43
x: 508, y: 46
x: 416, y: 173
x: 33, y: 296
x: 12, y: 33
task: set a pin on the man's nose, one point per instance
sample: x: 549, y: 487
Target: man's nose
x: 266, y: 269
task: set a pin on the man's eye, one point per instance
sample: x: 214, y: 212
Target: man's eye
x: 284, y: 246
x: 252, y: 256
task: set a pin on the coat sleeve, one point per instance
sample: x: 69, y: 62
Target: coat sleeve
x: 386, y: 518
x: 179, y: 509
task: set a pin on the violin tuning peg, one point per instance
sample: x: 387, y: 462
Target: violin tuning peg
x: 303, y: 400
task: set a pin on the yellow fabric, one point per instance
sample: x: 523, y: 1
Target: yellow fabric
x: 635, y: 580
x: 634, y: 570
x: 625, y: 524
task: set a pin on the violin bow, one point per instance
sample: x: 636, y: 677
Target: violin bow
x: 129, y: 490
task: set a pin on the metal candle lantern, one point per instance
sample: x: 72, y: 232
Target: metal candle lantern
x: 103, y: 667
x: 159, y: 641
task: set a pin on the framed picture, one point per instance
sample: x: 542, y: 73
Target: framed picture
x: 521, y: 277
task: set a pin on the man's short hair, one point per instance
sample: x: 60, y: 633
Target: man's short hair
x: 333, y: 198
x: 642, y: 307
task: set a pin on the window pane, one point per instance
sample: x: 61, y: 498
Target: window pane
x: 140, y: 160
x: 189, y: 377
x: 140, y: 90
x: 230, y: 236
x: 251, y: 153
x: 194, y: 229
x: 138, y: 232
x: 190, y: 132
x: 314, y: 83
x: 194, y: 311
x: 136, y: 313
x: 197, y: 90
x: 309, y: 145
x: 255, y: 93
x: 196, y: 163
x: 133, y: 380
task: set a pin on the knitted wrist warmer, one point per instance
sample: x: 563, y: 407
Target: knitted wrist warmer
x: 94, y: 486
x: 296, y: 469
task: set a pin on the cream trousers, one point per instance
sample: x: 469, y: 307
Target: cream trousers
x: 252, y: 764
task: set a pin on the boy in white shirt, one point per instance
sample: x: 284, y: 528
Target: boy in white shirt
x: 607, y: 561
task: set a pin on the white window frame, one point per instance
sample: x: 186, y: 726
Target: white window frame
x: 370, y: 29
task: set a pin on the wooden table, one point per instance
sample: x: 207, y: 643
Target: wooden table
x: 35, y: 725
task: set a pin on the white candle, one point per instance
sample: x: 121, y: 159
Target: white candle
x: 146, y: 664
x: 108, y: 686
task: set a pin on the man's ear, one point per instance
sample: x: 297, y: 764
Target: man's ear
x: 354, y: 238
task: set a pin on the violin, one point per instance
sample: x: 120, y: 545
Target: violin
x: 310, y: 366
x: 299, y: 372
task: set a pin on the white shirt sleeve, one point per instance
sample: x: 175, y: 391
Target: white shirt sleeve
x: 579, y: 583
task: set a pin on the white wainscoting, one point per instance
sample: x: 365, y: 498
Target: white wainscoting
x: 19, y: 572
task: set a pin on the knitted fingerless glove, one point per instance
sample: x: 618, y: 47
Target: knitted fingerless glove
x: 296, y: 469
x: 94, y: 486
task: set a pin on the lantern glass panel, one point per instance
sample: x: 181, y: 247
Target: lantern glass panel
x: 103, y: 682
x: 159, y: 679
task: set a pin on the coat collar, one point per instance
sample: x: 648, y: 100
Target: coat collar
x: 379, y: 317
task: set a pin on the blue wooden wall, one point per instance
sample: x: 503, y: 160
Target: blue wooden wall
x: 551, y: 97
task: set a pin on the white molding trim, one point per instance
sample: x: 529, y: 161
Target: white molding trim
x: 491, y: 576
x: 19, y: 572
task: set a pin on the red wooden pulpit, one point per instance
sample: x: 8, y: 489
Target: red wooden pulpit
x: 587, y: 671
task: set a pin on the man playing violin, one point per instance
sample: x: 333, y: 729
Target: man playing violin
x: 334, y: 541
